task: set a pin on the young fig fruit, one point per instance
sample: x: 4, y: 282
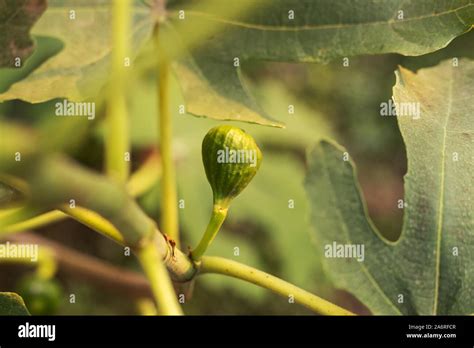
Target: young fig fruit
x: 231, y: 159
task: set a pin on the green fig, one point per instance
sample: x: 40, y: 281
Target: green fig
x: 231, y: 159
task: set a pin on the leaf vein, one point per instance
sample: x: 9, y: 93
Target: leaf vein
x: 317, y: 27
x: 439, y: 227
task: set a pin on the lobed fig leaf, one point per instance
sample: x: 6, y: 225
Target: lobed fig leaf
x: 428, y: 270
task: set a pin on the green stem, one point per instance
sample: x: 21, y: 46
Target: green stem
x: 169, y: 201
x: 47, y: 263
x: 161, y: 285
x: 212, y: 264
x: 95, y: 222
x: 27, y: 218
x: 143, y: 179
x: 217, y: 219
x: 117, y: 142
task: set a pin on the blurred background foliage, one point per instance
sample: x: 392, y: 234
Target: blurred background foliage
x: 331, y: 101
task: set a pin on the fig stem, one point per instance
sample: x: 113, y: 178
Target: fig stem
x: 169, y: 200
x: 117, y: 140
x: 220, y: 265
x: 218, y: 216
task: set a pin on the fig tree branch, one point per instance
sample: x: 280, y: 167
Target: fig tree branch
x: 55, y: 180
x: 104, y: 207
x: 26, y: 219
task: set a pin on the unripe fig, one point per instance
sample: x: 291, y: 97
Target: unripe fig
x: 231, y: 159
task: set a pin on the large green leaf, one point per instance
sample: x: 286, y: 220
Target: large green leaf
x: 429, y: 270
x: 16, y: 19
x: 12, y: 304
x: 213, y: 33
x: 321, y: 30
x: 80, y: 70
